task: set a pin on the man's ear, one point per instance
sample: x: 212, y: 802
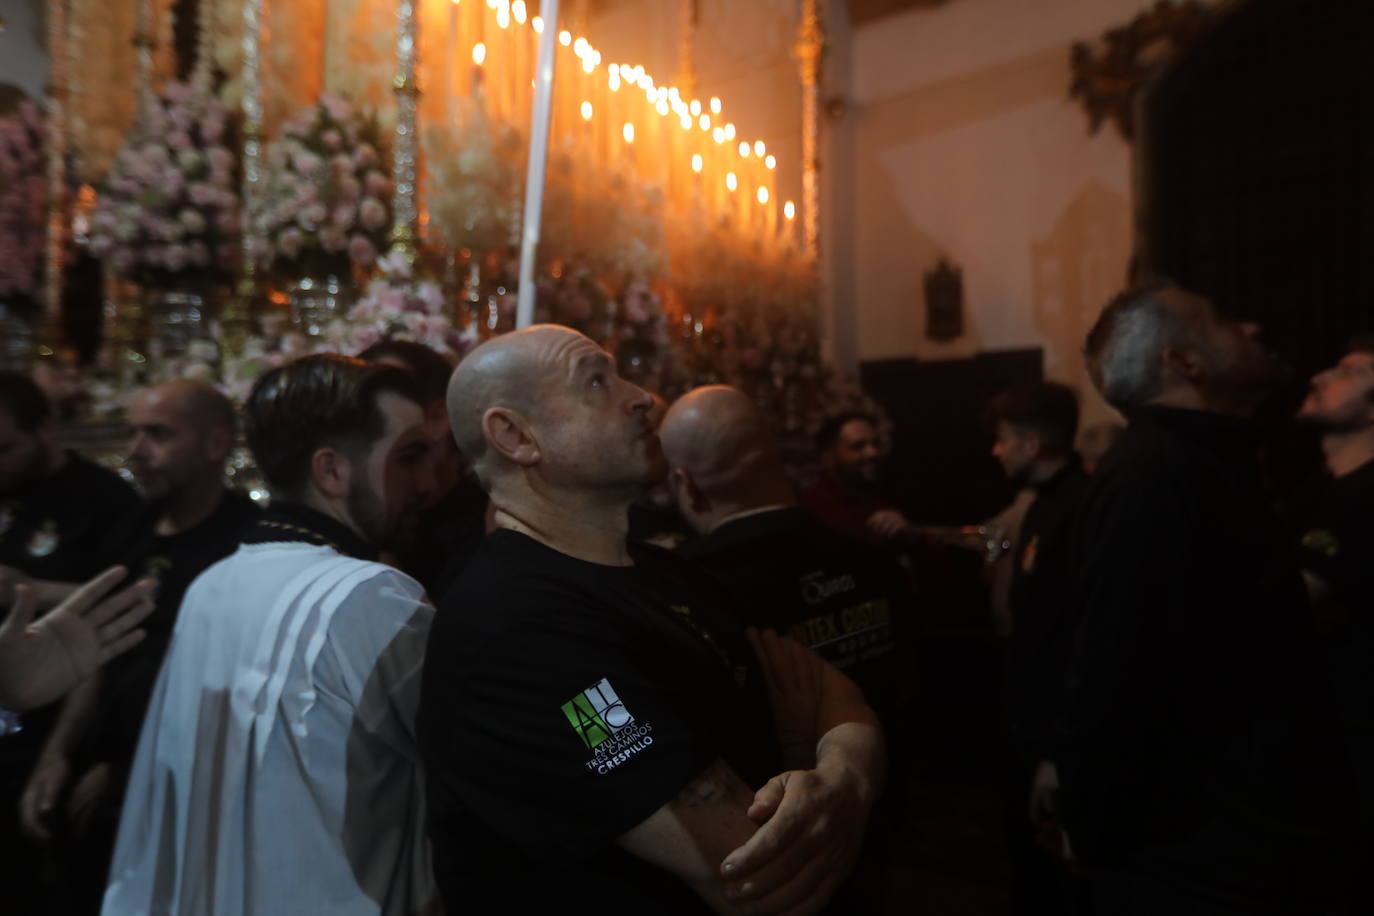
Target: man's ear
x: 217, y: 444
x: 1186, y: 364
x: 509, y: 434
x: 330, y: 472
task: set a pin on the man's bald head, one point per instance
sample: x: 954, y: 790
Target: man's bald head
x: 510, y: 372
x: 200, y: 404
x: 718, y: 436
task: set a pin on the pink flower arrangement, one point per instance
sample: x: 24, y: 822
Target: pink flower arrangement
x: 396, y: 306
x: 169, y: 213
x: 23, y: 199
x: 326, y: 202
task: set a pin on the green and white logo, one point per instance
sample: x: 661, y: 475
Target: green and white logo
x: 597, y: 713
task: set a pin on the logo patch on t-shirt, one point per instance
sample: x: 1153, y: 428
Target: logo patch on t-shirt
x: 606, y: 727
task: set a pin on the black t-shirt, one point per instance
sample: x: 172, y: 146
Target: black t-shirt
x: 448, y: 535
x: 174, y: 561
x: 68, y: 526
x: 1333, y: 522
x: 565, y: 702
x: 790, y: 572
x: 1041, y: 632
x: 65, y: 528
x: 1194, y: 695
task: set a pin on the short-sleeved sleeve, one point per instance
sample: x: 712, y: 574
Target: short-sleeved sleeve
x: 565, y: 728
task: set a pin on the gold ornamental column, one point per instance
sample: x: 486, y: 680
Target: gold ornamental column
x: 49, y: 330
x: 405, y: 152
x: 237, y: 319
x: 810, y: 52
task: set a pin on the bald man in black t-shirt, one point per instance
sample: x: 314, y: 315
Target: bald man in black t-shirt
x: 594, y: 732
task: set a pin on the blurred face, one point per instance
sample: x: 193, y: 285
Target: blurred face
x: 1342, y: 397
x: 168, y: 450
x: 594, y: 429
x: 23, y: 455
x: 397, y: 475
x: 856, y: 454
x: 1239, y: 366
x: 1016, y: 449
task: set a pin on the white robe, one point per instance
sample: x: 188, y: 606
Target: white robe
x: 277, y: 770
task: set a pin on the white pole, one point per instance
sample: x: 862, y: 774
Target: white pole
x: 539, y: 154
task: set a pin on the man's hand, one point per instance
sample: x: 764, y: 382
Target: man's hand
x: 794, y: 694
x: 888, y: 523
x: 39, y: 662
x: 813, y: 826
x: 40, y: 796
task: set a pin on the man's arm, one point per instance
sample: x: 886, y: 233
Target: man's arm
x: 690, y: 835
x: 53, y: 769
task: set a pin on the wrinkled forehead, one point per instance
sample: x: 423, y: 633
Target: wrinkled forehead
x: 569, y: 354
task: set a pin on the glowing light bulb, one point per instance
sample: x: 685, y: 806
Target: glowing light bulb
x: 705, y: 122
x: 503, y: 17
x: 731, y: 181
x: 718, y: 135
x: 759, y: 148
x: 537, y: 23
x: 565, y: 38
x: 628, y: 133
x: 715, y: 105
x: 479, y: 53
x: 661, y: 106
x: 614, y: 80
x: 789, y: 210
x: 674, y: 94
x: 697, y: 162
x: 686, y: 122
x: 580, y: 47
x: 588, y: 64
x: 519, y: 11
x: 743, y: 150
x: 662, y: 92
x: 763, y: 195
x: 696, y: 107
x: 729, y: 131
x: 586, y: 111
x: 771, y: 161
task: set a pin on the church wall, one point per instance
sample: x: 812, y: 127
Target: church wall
x: 966, y: 146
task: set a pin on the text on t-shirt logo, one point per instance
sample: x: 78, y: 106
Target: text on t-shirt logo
x: 606, y: 727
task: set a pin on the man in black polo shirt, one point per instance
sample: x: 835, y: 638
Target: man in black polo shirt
x: 1199, y: 771
x: 590, y: 720
x: 61, y: 520
x: 787, y: 570
x: 182, y: 433
x: 1332, y: 517
x: 1035, y: 425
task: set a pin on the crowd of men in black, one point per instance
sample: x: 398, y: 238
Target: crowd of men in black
x: 1189, y: 698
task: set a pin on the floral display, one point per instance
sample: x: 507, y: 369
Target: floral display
x: 473, y: 183
x: 398, y: 306
x: 23, y: 198
x: 168, y: 217
x: 326, y: 199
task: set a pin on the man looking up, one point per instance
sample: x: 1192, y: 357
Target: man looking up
x: 1331, y: 518
x: 183, y: 431
x: 276, y: 771
x: 591, y: 724
x: 1198, y: 772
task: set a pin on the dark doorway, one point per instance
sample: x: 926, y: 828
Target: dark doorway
x: 1259, y: 172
